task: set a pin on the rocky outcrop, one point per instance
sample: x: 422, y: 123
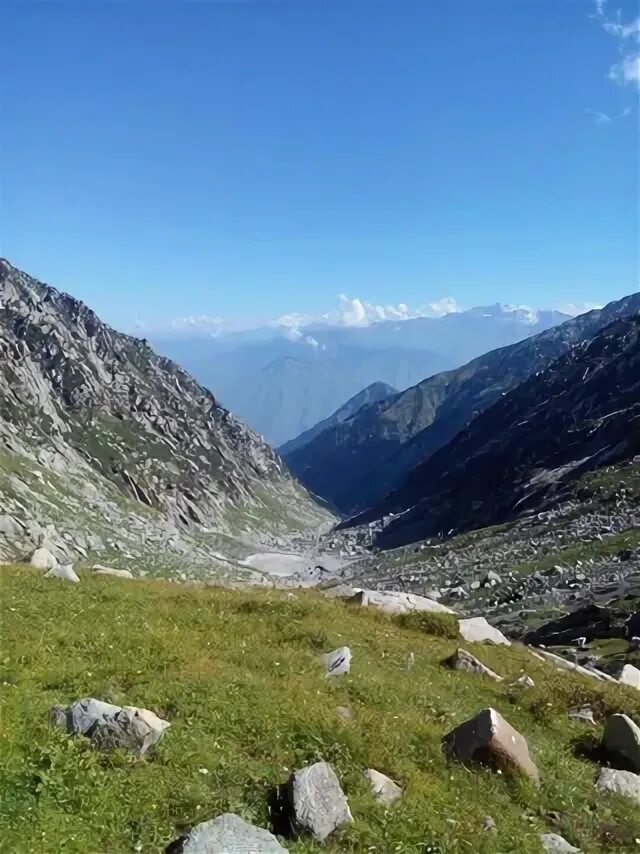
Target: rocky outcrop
x: 621, y: 740
x: 106, y: 446
x: 395, y: 602
x: 488, y: 738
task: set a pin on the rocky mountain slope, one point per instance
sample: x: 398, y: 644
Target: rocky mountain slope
x: 107, y: 447
x: 373, y: 393
x: 580, y: 413
x: 285, y: 379
x: 354, y: 464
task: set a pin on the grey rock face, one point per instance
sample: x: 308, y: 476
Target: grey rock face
x: 394, y: 602
x: 552, y: 843
x: 490, y: 739
x: 316, y: 801
x: 229, y: 834
x: 383, y: 787
x: 463, y: 660
x: 110, y: 726
x: 622, y: 739
x: 623, y: 783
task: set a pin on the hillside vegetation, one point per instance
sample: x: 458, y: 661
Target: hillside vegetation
x: 239, y: 676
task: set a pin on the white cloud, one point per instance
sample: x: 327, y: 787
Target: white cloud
x: 198, y: 323
x: 623, y: 31
x: 599, y: 117
x: 600, y: 7
x: 627, y: 71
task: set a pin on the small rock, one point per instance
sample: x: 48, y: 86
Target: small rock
x: 623, y: 783
x: 344, y: 712
x: 524, y: 681
x: 583, y: 714
x: 228, y: 834
x: 111, y: 726
x: 477, y: 630
x: 489, y: 825
x: 552, y: 843
x: 490, y: 739
x: 43, y: 559
x: 66, y: 573
x: 338, y: 662
x: 622, y: 739
x: 383, y: 787
x: 317, y: 804
x: 463, y: 660
x: 98, y: 569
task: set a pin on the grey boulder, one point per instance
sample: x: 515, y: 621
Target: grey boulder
x: 66, y: 573
x: 383, y: 788
x: 110, y: 726
x: 395, y: 602
x: 228, y: 834
x: 552, y: 843
x: 490, y: 739
x: 463, y: 660
x: 630, y: 676
x: 316, y: 803
x: 623, y: 783
x: 43, y: 559
x: 478, y: 630
x: 622, y: 740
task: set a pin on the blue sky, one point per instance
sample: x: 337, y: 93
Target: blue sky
x: 246, y: 159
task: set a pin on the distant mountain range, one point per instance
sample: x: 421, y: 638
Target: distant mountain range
x: 284, y: 379
x: 355, y: 463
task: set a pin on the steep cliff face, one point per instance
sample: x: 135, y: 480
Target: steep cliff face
x: 356, y: 463
x: 582, y: 412
x: 112, y: 423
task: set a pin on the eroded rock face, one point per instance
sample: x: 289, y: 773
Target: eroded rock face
x: 228, y: 834
x: 317, y: 804
x: 621, y: 739
x: 624, y: 783
x: 110, y: 726
x: 463, y: 660
x: 490, y: 739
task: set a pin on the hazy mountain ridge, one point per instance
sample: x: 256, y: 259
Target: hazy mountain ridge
x: 285, y: 379
x: 96, y: 427
x: 582, y: 412
x: 377, y: 449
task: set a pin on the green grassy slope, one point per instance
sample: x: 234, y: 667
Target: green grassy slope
x: 238, y: 675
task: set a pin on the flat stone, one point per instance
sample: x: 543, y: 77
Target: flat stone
x: 110, y: 726
x: 477, y: 630
x: 317, y: 804
x: 490, y: 739
x: 630, y: 676
x: 107, y: 570
x: 43, y: 559
x: 229, y: 834
x: 66, y: 573
x: 338, y: 662
x: 383, y: 787
x: 344, y: 712
x: 553, y: 843
x: 395, y: 602
x: 623, y: 783
x: 463, y: 660
x: 621, y: 738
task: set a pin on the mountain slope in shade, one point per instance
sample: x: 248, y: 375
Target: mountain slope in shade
x: 354, y: 464
x: 582, y: 412
x: 371, y: 394
x: 99, y: 434
x: 282, y: 381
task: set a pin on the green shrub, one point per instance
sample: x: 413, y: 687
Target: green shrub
x: 440, y: 625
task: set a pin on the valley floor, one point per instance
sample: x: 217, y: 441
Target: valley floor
x: 239, y: 676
